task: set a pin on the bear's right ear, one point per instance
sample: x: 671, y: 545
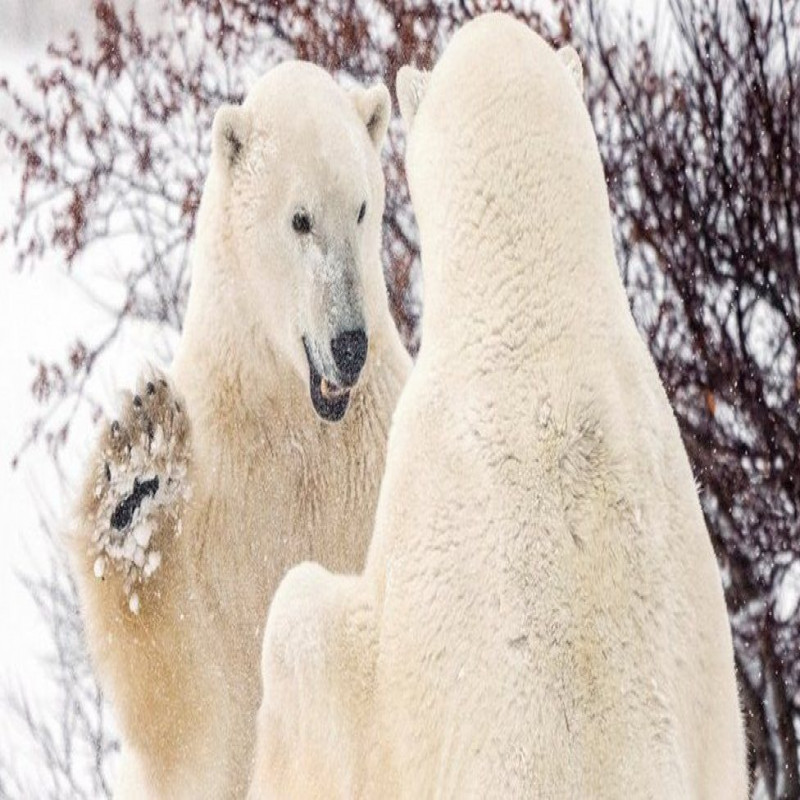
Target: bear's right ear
x: 572, y: 61
x: 230, y: 134
x: 410, y: 87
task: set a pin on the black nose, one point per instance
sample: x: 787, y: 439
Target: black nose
x: 349, y: 353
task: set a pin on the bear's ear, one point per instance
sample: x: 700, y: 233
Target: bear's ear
x: 374, y: 106
x: 230, y: 134
x: 410, y: 88
x: 572, y: 61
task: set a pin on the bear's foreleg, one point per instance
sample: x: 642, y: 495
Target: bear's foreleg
x: 144, y: 623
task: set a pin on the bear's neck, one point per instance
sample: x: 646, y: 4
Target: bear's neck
x: 524, y: 278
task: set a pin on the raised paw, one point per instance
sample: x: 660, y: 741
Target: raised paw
x: 141, y: 486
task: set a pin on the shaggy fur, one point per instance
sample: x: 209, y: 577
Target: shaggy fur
x: 215, y: 481
x: 541, y: 613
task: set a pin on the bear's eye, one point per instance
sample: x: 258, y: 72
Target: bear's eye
x: 301, y: 222
x: 361, y: 212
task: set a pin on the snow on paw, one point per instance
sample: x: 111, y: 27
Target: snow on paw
x: 142, y: 486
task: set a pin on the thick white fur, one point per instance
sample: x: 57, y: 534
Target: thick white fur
x: 541, y: 613
x: 271, y: 483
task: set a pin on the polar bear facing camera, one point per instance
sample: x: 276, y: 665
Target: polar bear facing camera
x: 263, y: 447
x: 541, y: 613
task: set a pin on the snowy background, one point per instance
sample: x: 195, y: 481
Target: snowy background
x: 41, y: 310
x: 36, y: 313
x: 94, y: 274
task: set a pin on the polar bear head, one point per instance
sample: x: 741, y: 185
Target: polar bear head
x: 498, y: 144
x: 297, y: 172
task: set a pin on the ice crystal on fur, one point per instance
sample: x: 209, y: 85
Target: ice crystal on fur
x: 141, y: 488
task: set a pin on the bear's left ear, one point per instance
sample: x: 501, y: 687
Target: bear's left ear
x: 230, y: 133
x: 572, y: 61
x: 410, y: 88
x: 374, y: 106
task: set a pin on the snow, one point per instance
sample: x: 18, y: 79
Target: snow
x: 154, y: 471
x: 788, y: 595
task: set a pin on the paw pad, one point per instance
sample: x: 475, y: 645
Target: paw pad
x: 123, y: 513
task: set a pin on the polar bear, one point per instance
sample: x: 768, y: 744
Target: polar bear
x: 540, y: 614
x: 263, y: 447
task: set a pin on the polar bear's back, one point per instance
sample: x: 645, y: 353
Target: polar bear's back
x: 543, y: 629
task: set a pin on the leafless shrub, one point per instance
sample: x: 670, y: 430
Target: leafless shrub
x: 70, y: 740
x: 701, y: 147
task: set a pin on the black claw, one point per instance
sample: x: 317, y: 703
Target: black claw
x: 123, y: 513
x: 150, y: 430
x: 137, y: 402
x: 115, y: 428
x: 151, y: 389
x: 108, y: 472
x: 177, y: 406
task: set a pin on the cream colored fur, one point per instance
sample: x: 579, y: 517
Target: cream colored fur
x: 271, y: 484
x: 541, y: 613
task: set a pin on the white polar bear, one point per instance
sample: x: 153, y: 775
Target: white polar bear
x: 201, y: 496
x: 541, y: 613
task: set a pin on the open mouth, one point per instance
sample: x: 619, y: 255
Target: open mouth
x: 329, y: 400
